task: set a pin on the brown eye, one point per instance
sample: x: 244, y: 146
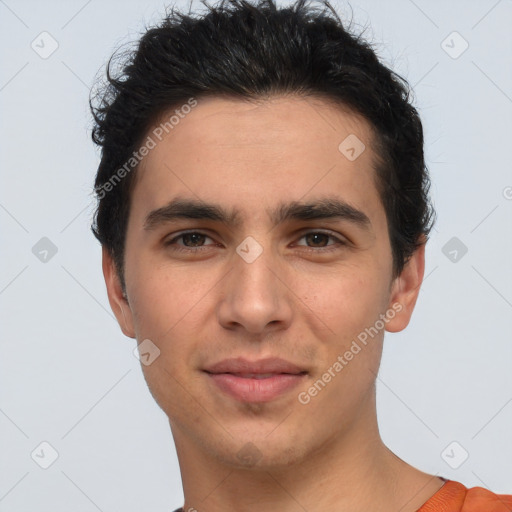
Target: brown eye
x: 194, y: 238
x: 193, y: 241
x: 320, y: 240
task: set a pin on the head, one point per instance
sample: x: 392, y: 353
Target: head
x: 294, y: 160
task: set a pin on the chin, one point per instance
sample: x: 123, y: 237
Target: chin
x: 259, y: 453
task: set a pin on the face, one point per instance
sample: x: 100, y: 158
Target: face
x: 259, y: 266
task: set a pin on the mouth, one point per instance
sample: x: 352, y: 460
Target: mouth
x: 255, y: 382
x: 257, y: 388
x: 257, y: 375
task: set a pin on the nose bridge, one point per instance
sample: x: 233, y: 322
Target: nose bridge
x: 253, y: 268
x: 253, y: 296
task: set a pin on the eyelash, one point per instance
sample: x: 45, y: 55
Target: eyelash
x: 339, y: 243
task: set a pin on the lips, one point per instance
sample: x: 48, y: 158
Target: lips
x: 241, y: 366
x: 255, y: 375
x: 255, y: 381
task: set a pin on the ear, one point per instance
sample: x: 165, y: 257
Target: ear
x: 117, y: 300
x: 405, y: 290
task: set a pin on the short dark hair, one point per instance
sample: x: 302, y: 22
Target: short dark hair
x: 250, y: 52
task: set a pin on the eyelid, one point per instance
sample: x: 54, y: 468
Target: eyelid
x: 180, y: 234
x: 340, y: 240
x: 332, y: 234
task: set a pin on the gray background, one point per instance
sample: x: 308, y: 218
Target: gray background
x: 69, y: 376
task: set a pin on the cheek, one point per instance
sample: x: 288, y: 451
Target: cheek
x: 171, y: 307
x: 167, y: 313
x: 347, y: 300
x: 163, y: 296
x: 353, y: 345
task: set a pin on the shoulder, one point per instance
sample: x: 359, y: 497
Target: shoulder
x: 455, y: 497
x: 478, y: 498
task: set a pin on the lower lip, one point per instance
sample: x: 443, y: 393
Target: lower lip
x: 256, y: 390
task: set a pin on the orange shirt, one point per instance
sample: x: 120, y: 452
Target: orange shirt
x: 455, y: 497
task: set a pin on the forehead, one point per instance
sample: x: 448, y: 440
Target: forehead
x: 248, y: 155
x: 295, y: 123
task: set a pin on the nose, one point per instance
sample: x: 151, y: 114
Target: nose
x: 255, y: 295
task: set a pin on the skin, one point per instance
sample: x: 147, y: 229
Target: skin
x: 293, y: 302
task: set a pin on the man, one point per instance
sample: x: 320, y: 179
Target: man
x: 263, y: 211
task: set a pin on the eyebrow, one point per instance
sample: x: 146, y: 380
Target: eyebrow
x: 329, y: 208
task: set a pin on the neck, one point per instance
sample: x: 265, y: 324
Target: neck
x: 353, y: 472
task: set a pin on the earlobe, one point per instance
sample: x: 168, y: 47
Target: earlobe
x: 405, y: 290
x: 118, y: 301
